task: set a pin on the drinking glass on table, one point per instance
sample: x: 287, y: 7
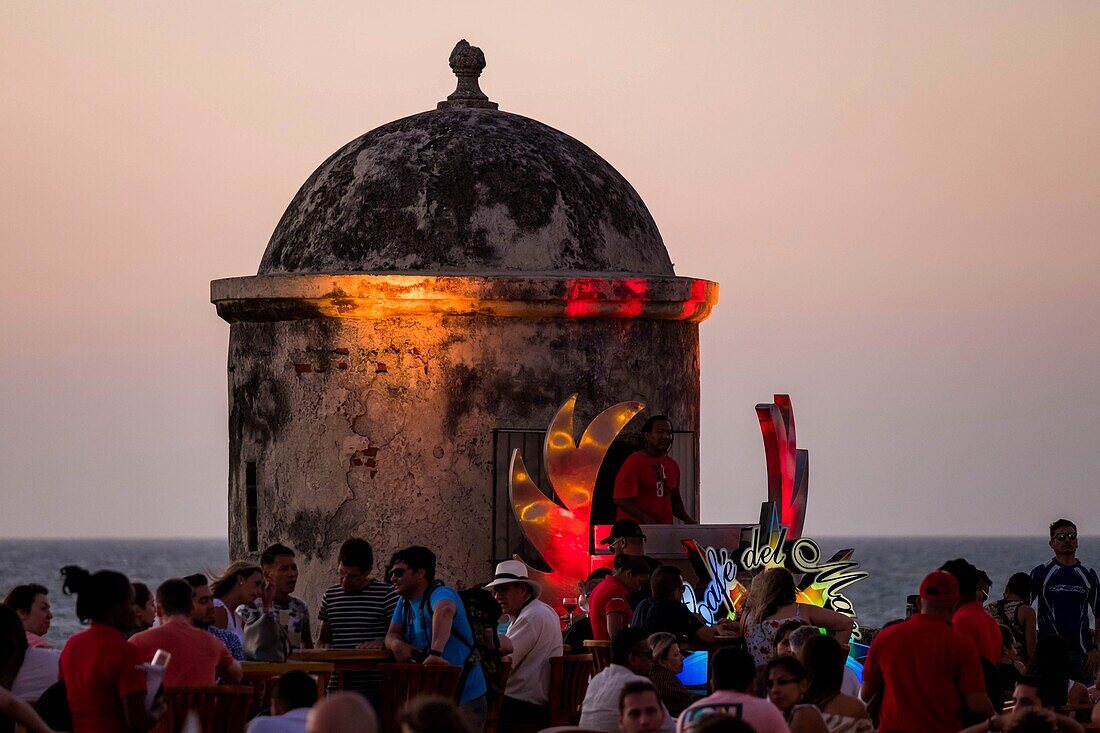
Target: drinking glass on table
x: 569, y: 603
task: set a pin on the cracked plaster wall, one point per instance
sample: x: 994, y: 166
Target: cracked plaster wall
x: 383, y: 428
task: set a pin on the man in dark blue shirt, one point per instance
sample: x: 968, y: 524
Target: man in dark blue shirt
x: 1066, y: 590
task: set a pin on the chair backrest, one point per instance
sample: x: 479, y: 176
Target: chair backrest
x: 221, y: 709
x: 402, y: 682
x: 492, y: 717
x: 601, y: 654
x: 262, y: 676
x: 569, y: 676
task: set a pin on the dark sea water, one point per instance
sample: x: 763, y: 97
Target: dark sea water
x: 895, y: 564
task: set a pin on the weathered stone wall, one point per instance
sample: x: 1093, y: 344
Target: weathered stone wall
x: 383, y: 428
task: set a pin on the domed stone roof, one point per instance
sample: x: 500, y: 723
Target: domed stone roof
x: 467, y: 189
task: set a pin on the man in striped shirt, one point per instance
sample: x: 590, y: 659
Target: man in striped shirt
x: 1066, y: 590
x: 356, y: 613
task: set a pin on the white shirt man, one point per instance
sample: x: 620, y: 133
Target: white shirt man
x: 532, y: 638
x: 630, y: 656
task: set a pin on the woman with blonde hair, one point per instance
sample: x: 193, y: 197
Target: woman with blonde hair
x: 668, y: 662
x: 239, y: 585
x: 774, y: 603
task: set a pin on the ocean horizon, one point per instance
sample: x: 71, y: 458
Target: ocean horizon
x: 895, y: 565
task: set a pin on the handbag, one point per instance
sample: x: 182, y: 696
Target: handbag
x: 265, y: 640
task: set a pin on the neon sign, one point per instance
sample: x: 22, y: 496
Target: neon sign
x: 821, y: 583
x: 560, y: 531
x: 723, y: 596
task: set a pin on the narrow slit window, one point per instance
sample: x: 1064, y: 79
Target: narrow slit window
x: 251, y: 524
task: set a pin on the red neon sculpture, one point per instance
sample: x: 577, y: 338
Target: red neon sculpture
x: 788, y: 467
x: 560, y: 533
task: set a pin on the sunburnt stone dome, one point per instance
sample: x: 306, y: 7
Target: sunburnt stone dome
x: 467, y: 189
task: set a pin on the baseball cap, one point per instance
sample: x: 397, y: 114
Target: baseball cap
x: 622, y: 529
x: 939, y: 585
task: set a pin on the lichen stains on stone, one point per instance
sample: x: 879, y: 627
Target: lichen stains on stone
x: 305, y: 531
x: 462, y: 189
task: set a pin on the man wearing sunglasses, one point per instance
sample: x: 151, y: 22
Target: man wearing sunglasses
x: 1066, y: 590
x: 430, y: 627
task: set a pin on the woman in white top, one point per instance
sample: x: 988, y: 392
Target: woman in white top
x: 240, y: 584
x: 27, y: 672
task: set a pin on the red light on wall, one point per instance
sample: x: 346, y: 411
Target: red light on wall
x: 697, y: 300
x: 590, y: 296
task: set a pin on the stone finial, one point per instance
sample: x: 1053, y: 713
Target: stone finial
x: 467, y: 63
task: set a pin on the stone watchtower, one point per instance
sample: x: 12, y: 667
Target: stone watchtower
x: 444, y: 275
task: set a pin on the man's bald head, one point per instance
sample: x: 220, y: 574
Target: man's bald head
x: 342, y: 712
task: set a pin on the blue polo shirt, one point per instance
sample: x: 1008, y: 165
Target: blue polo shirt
x: 1065, y: 594
x: 418, y: 632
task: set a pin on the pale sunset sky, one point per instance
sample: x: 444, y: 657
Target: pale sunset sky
x: 901, y: 201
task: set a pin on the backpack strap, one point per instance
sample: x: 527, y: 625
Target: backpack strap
x: 426, y: 602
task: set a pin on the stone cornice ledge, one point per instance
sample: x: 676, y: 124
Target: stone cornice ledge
x: 263, y: 298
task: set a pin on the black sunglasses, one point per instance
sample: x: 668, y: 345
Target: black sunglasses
x: 1063, y: 536
x: 396, y: 572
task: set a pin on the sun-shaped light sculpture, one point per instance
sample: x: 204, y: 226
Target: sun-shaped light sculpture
x: 560, y: 531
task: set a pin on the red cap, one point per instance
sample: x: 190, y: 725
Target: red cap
x: 939, y: 585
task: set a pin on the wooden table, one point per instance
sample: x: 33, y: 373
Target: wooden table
x: 261, y: 676
x: 345, y: 660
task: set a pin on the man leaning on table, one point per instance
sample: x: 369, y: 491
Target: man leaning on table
x: 532, y: 638
x: 430, y: 626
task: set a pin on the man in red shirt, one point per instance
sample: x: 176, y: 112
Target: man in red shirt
x: 973, y: 622
x: 198, y: 658
x: 647, y: 487
x: 925, y: 671
x: 970, y: 618
x: 608, y: 605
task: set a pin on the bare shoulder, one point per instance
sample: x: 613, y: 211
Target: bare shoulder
x: 807, y: 719
x: 847, y: 706
x: 1078, y: 694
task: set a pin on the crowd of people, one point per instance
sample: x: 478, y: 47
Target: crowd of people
x: 953, y: 665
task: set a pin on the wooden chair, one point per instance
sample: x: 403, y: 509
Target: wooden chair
x: 569, y: 676
x: 402, y: 682
x: 261, y: 677
x: 601, y: 654
x: 220, y: 709
x: 504, y: 671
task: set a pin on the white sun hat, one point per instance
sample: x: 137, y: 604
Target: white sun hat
x: 513, y: 571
